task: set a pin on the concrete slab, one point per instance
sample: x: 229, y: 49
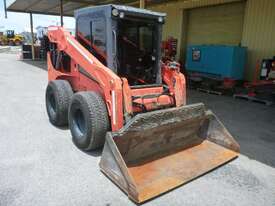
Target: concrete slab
x: 10, y: 49
x: 39, y: 165
x: 251, y: 123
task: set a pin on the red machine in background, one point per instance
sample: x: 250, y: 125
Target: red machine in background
x: 169, y: 49
x: 262, y: 88
x: 268, y: 69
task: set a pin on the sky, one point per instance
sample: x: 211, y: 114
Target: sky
x: 21, y: 21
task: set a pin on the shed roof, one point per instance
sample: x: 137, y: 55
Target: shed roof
x: 52, y: 7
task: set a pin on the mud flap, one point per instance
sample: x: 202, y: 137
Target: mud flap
x: 160, y: 150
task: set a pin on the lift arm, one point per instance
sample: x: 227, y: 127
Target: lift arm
x: 85, y: 62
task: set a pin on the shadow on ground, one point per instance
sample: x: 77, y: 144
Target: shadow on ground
x: 250, y: 123
x: 42, y: 64
x: 94, y: 153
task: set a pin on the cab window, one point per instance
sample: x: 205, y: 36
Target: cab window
x: 91, y: 33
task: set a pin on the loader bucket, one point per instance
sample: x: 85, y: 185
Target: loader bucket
x: 160, y: 150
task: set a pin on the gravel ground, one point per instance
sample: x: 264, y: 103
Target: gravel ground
x: 39, y: 165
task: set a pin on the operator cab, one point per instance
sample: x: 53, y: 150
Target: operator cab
x: 125, y: 39
x: 10, y: 33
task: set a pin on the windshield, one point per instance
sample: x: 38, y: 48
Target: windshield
x: 137, y: 51
x: 139, y: 36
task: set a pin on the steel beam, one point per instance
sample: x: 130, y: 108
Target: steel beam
x: 5, y: 9
x: 142, y: 4
x: 61, y: 13
x: 32, y: 34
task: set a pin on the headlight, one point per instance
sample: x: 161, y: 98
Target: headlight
x: 160, y: 19
x: 115, y: 12
x: 121, y: 15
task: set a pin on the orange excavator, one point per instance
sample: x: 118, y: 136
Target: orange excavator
x: 109, y: 84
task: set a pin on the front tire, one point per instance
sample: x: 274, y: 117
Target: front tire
x: 88, y: 120
x: 58, y: 96
x: 11, y: 43
x: 18, y: 42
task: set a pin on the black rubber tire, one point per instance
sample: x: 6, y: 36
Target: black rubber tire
x: 11, y: 43
x: 88, y: 120
x: 58, y: 97
x: 17, y: 43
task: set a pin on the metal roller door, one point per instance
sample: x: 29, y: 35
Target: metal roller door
x: 222, y: 24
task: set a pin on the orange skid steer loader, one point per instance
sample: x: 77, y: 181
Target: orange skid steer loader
x: 110, y: 85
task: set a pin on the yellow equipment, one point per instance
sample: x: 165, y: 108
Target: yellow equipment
x: 11, y: 39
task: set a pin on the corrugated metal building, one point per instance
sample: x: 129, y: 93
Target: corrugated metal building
x: 259, y: 31
x: 248, y: 23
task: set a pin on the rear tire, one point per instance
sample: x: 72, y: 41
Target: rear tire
x: 88, y: 120
x: 58, y: 96
x: 18, y: 42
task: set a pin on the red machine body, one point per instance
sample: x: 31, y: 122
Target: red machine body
x: 86, y: 72
x: 109, y: 85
